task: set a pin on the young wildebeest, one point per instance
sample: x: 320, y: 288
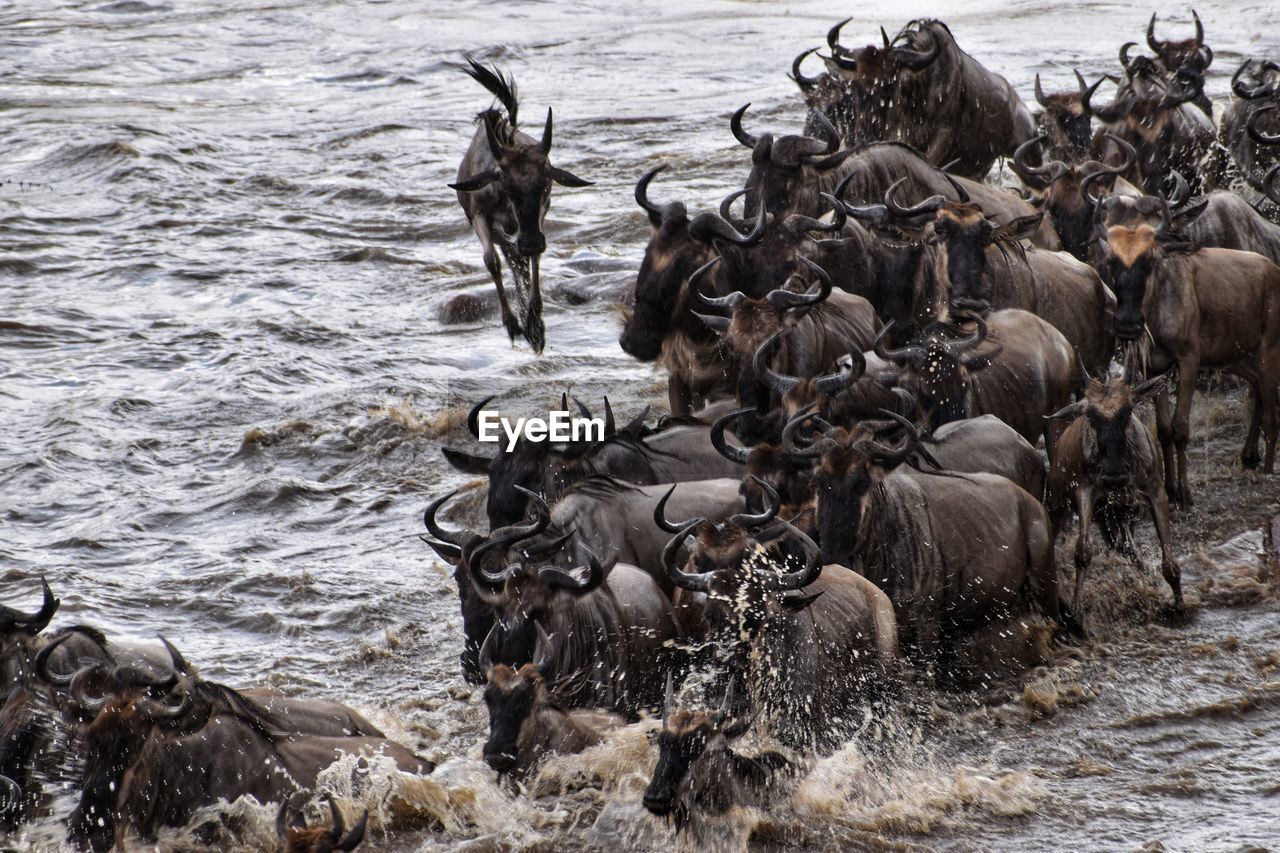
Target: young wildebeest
x: 808, y: 646
x: 698, y: 772
x: 1199, y: 308
x: 297, y: 837
x: 1106, y: 462
x: 504, y: 187
x: 1026, y: 370
x: 954, y: 552
x: 525, y: 722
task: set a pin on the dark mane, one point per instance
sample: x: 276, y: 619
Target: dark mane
x: 502, y: 86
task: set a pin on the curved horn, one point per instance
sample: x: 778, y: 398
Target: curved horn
x: 829, y: 131
x: 473, y: 416
x: 78, y: 684
x: 760, y: 363
x: 735, y: 124
x: 917, y: 60
x: 486, y: 649
x: 1040, y: 98
x: 726, y: 205
x: 352, y: 839
x: 789, y: 435
x: 1271, y: 184
x: 976, y: 337
x: 545, y: 144
x: 159, y: 711
x: 723, y: 446
x: 610, y: 424
x: 338, y: 825
x: 551, y: 546
x: 833, y: 37
x: 1195, y: 16
x: 658, y: 213
x: 929, y: 205
x: 1080, y: 80
x: 891, y: 456
x: 1250, y: 93
x: 176, y: 660
x: 771, y: 507
x: 961, y: 193
x: 1124, y: 55
x: 1181, y: 191
x: 1153, y: 42
x: 706, y: 226
x: 556, y: 577
x: 1257, y: 135
x: 504, y: 537
x: 1111, y: 112
x: 798, y: 223
x: 1049, y: 172
x: 429, y: 520
x: 660, y: 512
x: 36, y: 622
x: 786, y: 300
x: 1191, y: 87
x: 726, y: 303
x: 912, y: 353
x: 803, y: 576
x: 699, y: 582
x: 805, y: 83
x: 41, y: 664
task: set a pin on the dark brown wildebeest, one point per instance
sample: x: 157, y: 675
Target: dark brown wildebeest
x: 610, y: 634
x: 297, y: 837
x: 1199, y: 308
x: 1026, y: 370
x: 525, y: 722
x: 1062, y: 183
x: 504, y: 187
x: 933, y: 94
x: 660, y: 327
x: 1163, y: 125
x: 1190, y: 53
x: 698, y: 772
x: 954, y: 552
x: 805, y: 672
x: 1106, y: 462
x: 818, y: 327
x: 1251, y: 117
x: 1066, y: 130
x: 672, y: 455
x: 979, y: 266
x: 150, y: 763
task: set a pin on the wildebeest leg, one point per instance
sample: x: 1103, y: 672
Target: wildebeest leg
x: 494, y: 266
x: 1187, y: 368
x: 679, y: 397
x: 1084, y: 548
x: 534, y: 331
x: 1249, y: 456
x: 1164, y: 432
x: 1269, y: 402
x: 1159, y: 503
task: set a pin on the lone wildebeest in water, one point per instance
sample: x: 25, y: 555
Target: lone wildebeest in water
x: 504, y: 187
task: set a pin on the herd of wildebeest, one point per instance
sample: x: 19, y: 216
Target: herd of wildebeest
x: 848, y: 491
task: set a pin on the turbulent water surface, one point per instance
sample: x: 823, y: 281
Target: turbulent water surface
x: 225, y: 238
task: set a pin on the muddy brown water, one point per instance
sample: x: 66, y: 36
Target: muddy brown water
x: 225, y: 240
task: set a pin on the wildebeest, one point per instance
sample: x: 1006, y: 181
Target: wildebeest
x: 151, y: 763
x: 698, y: 772
x: 1012, y: 365
x: 953, y: 552
x: 1106, y: 462
x: 806, y: 645
x: 672, y: 455
x: 609, y: 634
x: 1199, y: 308
x: 1065, y: 127
x: 504, y: 187
x: 980, y: 266
x: 525, y: 722
x: 1191, y: 54
x: 943, y: 102
x: 297, y: 837
x: 661, y: 327
x: 1252, y: 116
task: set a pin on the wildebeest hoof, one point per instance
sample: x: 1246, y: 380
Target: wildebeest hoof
x: 535, y: 333
x: 1250, y: 460
x: 513, y: 327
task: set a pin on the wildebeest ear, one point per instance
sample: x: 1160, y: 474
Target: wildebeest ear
x: 475, y: 182
x: 1150, y: 387
x: 566, y: 178
x: 979, y: 361
x: 1185, y: 216
x: 1018, y: 229
x: 468, y: 463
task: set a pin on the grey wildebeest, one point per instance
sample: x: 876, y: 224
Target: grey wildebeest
x: 1012, y: 365
x: 980, y: 266
x: 806, y: 646
x: 526, y: 723
x: 698, y: 771
x: 1065, y: 128
x: 504, y: 187
x: 1253, y: 118
x: 671, y: 455
x: 953, y: 552
x: 1106, y: 462
x: 943, y: 102
x: 151, y: 763
x: 610, y: 634
x: 660, y: 327
x: 1199, y: 308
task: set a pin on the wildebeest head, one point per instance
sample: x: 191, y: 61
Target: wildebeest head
x: 1064, y: 186
x: 1065, y: 125
x: 729, y: 564
x: 935, y: 367
x: 1131, y: 264
x: 784, y: 170
x: 963, y: 233
x: 520, y: 587
x: 766, y: 463
x: 1190, y: 53
x: 18, y: 630
x: 113, y: 742
x: 1147, y: 120
x: 512, y: 696
x: 521, y: 167
x: 677, y: 247
x: 697, y: 764
x: 1107, y: 409
x: 297, y: 837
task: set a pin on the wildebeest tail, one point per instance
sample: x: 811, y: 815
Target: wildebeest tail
x: 502, y: 86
